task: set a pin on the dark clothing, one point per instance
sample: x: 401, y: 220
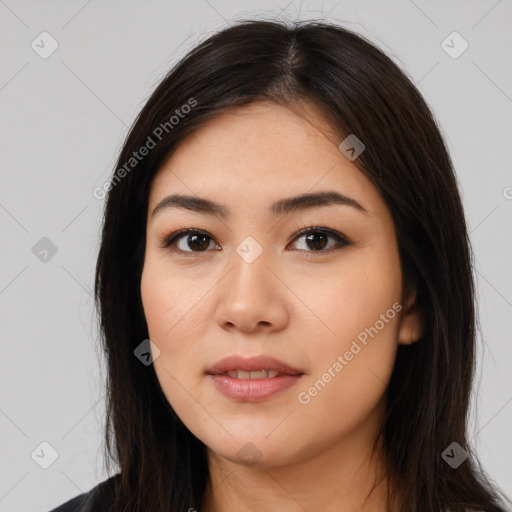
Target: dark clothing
x: 98, y: 499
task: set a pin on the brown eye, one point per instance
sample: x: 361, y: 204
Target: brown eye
x: 197, y: 242
x: 188, y: 240
x: 316, y: 239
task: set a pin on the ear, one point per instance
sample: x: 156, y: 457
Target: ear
x: 411, y: 323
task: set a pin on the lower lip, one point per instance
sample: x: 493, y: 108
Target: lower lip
x: 253, y: 390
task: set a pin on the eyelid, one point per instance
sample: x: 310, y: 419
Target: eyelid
x: 339, y: 237
x: 169, y: 240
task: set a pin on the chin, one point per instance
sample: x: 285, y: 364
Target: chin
x: 256, y: 452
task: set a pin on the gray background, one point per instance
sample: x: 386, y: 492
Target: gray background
x: 63, y: 121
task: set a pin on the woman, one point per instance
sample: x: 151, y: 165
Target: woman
x: 285, y: 290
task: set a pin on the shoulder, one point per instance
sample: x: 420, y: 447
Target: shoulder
x: 98, y: 499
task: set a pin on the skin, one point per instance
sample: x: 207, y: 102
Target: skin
x: 298, y: 304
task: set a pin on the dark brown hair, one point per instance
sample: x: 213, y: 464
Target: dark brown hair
x: 360, y: 91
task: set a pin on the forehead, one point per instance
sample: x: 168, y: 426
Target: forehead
x: 256, y: 154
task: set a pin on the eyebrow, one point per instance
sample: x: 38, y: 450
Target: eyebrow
x: 280, y: 207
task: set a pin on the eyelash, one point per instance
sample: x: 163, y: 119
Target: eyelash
x: 170, y: 240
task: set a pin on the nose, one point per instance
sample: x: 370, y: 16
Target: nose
x: 251, y: 298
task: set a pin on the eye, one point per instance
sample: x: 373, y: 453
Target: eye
x: 316, y: 239
x: 188, y: 240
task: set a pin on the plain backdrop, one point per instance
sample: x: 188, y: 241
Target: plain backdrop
x: 64, y: 118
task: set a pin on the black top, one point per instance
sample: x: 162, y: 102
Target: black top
x: 98, y: 499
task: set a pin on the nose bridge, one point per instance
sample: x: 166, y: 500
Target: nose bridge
x: 251, y: 295
x: 250, y: 273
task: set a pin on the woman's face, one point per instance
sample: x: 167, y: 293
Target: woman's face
x: 249, y: 285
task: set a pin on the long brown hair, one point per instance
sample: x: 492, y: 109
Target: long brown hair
x: 163, y: 466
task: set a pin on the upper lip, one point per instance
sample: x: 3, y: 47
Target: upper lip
x: 251, y: 364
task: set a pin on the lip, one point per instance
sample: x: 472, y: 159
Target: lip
x: 252, y: 390
x: 252, y: 364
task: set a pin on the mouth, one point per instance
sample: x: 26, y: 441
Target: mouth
x: 255, y: 374
x: 252, y: 379
x: 259, y: 367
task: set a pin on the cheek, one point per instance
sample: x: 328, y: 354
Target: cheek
x: 359, y: 313
x: 344, y: 301
x: 168, y: 299
x: 175, y: 316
